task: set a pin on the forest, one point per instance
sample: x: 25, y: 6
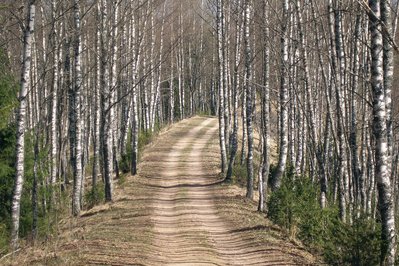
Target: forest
x: 302, y: 93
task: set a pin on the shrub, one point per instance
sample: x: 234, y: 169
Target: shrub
x: 295, y: 207
x: 95, y: 196
x: 240, y: 173
x: 356, y: 244
x: 4, y: 238
x: 145, y: 137
x: 124, y: 164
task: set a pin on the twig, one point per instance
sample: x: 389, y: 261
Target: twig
x: 5, y: 256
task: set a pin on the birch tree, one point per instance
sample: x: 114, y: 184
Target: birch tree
x: 249, y: 107
x: 77, y: 124
x: 283, y: 147
x: 236, y: 85
x: 135, y: 108
x: 382, y: 157
x: 21, y: 121
x: 54, y: 97
x: 106, y: 102
x: 338, y: 66
x: 222, y: 82
x: 265, y: 118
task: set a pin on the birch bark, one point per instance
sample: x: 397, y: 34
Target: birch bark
x: 21, y: 120
x: 382, y: 156
x: 77, y: 130
x: 221, y: 85
x: 265, y: 120
x: 283, y: 147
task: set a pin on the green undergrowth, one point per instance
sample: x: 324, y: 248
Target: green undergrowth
x: 49, y: 211
x: 122, y: 180
x: 205, y: 113
x: 295, y: 207
x: 239, y: 175
x: 95, y: 195
x: 145, y: 138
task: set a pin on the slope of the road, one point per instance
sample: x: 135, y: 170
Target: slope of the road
x: 175, y: 212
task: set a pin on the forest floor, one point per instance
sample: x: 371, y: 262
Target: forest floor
x: 176, y: 211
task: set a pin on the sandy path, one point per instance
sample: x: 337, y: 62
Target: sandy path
x: 188, y: 229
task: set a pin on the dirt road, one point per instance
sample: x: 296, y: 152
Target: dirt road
x: 188, y: 229
x: 175, y: 212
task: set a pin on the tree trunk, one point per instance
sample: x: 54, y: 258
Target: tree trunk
x: 171, y: 84
x: 77, y: 130
x: 265, y: 119
x: 249, y: 107
x: 356, y: 174
x: 20, y: 146
x: 222, y: 140
x: 388, y: 69
x: 382, y: 157
x: 135, y: 108
x: 339, y: 82
x: 236, y: 85
x: 106, y: 130
x: 54, y: 121
x: 96, y: 109
x: 283, y: 148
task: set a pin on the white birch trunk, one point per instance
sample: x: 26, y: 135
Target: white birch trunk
x: 236, y: 85
x: 283, y: 148
x: 97, y: 110
x: 265, y: 120
x: 135, y: 109
x: 106, y: 130
x: 114, y: 88
x: 182, y: 64
x: 153, y: 89
x: 340, y: 83
x: 222, y: 140
x: 53, y: 173
x: 382, y: 157
x: 249, y: 107
x: 171, y: 82
x: 388, y: 67
x: 77, y: 87
x: 21, y: 120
